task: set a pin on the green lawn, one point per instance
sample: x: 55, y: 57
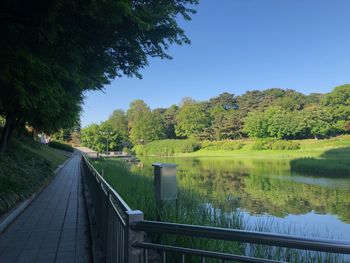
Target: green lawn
x: 25, y: 168
x: 308, y: 148
x: 54, y: 156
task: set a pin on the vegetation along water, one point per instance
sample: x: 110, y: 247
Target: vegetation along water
x: 263, y: 194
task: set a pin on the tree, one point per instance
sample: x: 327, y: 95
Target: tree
x: 347, y: 127
x: 119, y: 123
x: 147, y: 128
x: 136, y: 110
x: 318, y: 122
x: 256, y: 125
x: 275, y: 122
x: 170, y: 121
x: 337, y: 103
x: 226, y: 101
x: 101, y: 137
x: 57, y: 46
x: 229, y: 126
x: 192, y: 120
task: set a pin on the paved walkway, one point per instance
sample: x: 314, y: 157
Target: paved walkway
x: 54, y: 227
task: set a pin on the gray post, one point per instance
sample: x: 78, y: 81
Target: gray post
x: 134, y: 254
x: 165, y: 185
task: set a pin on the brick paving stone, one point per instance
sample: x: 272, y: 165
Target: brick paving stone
x: 54, y: 227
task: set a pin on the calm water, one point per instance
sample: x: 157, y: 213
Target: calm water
x: 268, y: 194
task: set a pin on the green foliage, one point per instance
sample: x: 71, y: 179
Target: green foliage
x: 272, y: 113
x: 52, y: 52
x: 192, y: 119
x: 222, y: 145
x: 167, y: 147
x: 170, y: 121
x: 282, y: 124
x: 144, y: 125
x: 127, y: 150
x: 119, y: 123
x: 97, y: 137
x: 256, y: 125
x: 137, y: 109
x: 317, y: 122
x: 61, y: 146
x: 273, y: 144
x: 147, y: 127
x: 338, y: 105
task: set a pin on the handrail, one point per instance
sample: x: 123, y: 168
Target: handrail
x: 204, y: 253
x: 116, y: 197
x: 280, y: 240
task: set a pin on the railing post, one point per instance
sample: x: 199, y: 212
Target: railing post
x: 134, y: 254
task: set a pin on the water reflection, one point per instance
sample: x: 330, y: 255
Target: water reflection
x: 265, y: 189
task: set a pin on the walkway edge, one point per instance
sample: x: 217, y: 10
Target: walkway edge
x: 10, y: 216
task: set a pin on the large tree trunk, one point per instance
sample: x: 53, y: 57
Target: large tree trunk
x: 5, y: 136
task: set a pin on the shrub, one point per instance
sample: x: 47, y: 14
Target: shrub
x: 167, y: 147
x: 273, y: 144
x: 127, y: 150
x: 61, y: 146
x: 222, y: 145
x: 139, y: 150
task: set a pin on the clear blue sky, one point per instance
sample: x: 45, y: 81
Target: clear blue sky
x: 240, y: 45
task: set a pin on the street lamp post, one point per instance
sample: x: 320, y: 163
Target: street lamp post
x: 107, y: 137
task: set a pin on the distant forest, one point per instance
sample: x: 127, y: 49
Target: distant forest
x: 272, y: 113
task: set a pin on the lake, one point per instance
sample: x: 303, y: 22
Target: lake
x: 269, y: 195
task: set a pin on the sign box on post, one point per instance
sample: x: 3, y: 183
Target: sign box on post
x: 165, y: 185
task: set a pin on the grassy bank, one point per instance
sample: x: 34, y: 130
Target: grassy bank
x: 328, y: 157
x: 24, y: 169
x: 249, y: 148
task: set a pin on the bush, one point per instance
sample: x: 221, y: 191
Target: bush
x: 273, y: 144
x: 167, y: 147
x: 139, y: 150
x: 61, y: 146
x: 127, y: 150
x: 222, y: 145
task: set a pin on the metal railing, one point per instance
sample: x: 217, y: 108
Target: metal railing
x: 113, y: 218
x: 278, y: 240
x: 122, y: 231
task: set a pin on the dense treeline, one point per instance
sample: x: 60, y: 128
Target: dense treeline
x: 53, y: 51
x: 271, y: 113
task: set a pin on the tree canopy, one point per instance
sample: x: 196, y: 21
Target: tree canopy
x: 272, y: 113
x: 53, y: 51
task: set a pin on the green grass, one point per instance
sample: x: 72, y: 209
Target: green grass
x: 245, y: 148
x: 308, y: 148
x: 61, y: 146
x: 25, y: 168
x: 54, y: 156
